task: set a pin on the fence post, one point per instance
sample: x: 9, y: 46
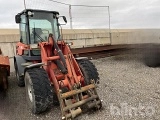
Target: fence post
x: 110, y: 35
x: 70, y: 15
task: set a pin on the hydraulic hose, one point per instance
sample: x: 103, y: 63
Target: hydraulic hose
x: 60, y: 54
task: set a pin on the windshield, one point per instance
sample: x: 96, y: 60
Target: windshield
x: 41, y: 25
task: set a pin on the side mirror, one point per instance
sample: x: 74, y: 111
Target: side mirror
x: 18, y: 18
x: 65, y: 19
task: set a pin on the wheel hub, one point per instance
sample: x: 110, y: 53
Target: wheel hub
x: 30, y: 92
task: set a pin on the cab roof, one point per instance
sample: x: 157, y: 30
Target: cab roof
x: 37, y: 10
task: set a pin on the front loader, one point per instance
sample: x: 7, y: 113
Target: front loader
x: 45, y: 65
x: 4, y: 71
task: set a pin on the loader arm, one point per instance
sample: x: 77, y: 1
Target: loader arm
x: 76, y: 93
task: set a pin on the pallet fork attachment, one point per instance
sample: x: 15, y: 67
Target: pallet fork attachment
x: 71, y: 108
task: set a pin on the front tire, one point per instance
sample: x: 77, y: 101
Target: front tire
x: 89, y: 71
x: 39, y: 91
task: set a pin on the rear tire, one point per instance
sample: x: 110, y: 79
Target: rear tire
x: 20, y: 79
x: 89, y: 71
x: 39, y: 91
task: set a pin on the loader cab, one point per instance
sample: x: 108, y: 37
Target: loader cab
x: 35, y: 26
x: 34, y: 23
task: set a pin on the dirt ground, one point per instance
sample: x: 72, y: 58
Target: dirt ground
x: 129, y: 90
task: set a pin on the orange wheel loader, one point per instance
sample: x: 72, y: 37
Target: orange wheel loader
x: 45, y: 65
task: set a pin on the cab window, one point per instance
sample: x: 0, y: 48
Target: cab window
x: 23, y: 31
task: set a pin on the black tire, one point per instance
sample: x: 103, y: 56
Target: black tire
x: 39, y: 91
x: 151, y: 60
x: 89, y: 71
x: 3, y: 80
x: 6, y: 80
x: 20, y: 79
x: 152, y: 56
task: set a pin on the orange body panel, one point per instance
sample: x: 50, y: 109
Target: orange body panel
x: 20, y: 47
x: 4, y: 63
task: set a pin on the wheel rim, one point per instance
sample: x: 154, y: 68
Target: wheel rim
x: 29, y: 89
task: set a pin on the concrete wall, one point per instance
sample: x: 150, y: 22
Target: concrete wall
x: 80, y: 38
x: 85, y: 38
x: 135, y: 36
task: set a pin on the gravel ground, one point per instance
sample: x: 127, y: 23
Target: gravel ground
x: 129, y: 90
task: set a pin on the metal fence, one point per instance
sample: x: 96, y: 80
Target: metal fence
x: 79, y: 16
